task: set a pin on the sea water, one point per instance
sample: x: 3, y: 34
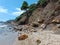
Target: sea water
x: 7, y: 36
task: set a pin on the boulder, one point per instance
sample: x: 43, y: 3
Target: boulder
x: 55, y: 21
x: 35, y: 24
x: 40, y: 21
x: 32, y: 30
x: 58, y: 25
x: 43, y: 26
x: 23, y: 37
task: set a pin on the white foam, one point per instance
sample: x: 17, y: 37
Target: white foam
x: 1, y: 26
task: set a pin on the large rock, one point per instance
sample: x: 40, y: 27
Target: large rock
x: 56, y: 21
x: 23, y: 37
x: 35, y: 24
x: 40, y: 20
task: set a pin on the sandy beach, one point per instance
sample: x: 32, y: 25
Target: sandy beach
x: 46, y: 38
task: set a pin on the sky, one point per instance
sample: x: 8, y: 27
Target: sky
x: 10, y: 9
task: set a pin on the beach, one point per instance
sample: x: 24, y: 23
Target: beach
x: 45, y: 38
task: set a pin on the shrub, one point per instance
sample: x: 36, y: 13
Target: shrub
x: 19, y: 17
x: 32, y: 7
x: 41, y: 2
x: 24, y: 6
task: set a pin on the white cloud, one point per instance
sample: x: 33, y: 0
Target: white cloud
x: 18, y: 12
x: 3, y: 10
x: 18, y: 9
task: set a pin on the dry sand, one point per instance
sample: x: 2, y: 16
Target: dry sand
x: 46, y: 38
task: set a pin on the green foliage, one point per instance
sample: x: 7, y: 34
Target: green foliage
x: 19, y: 17
x: 32, y: 7
x: 41, y: 2
x: 24, y: 6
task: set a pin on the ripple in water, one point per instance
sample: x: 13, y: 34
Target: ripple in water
x: 7, y: 36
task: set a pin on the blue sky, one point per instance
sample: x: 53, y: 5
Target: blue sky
x: 10, y: 9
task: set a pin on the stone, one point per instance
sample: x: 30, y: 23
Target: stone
x: 31, y: 30
x: 20, y: 29
x: 40, y: 21
x: 35, y: 24
x: 55, y: 21
x: 23, y: 37
x: 38, y: 42
x: 43, y: 26
x: 58, y: 25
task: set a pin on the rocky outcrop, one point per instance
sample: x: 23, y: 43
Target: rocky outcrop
x: 56, y: 19
x: 50, y: 14
x: 35, y: 24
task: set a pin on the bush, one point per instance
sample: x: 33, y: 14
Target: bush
x: 41, y: 2
x: 24, y: 6
x: 19, y: 17
x: 32, y: 7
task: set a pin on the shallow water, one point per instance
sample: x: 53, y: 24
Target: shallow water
x: 7, y: 36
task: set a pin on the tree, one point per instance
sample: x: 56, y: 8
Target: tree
x: 32, y: 7
x: 42, y: 3
x: 24, y: 6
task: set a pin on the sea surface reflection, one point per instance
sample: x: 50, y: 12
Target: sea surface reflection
x: 7, y: 35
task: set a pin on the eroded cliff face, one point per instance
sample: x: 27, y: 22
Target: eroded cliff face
x: 50, y: 14
x: 45, y: 13
x: 43, y: 26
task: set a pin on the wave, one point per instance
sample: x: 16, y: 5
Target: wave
x: 2, y: 26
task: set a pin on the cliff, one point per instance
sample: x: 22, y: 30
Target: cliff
x: 43, y: 16
x: 41, y: 26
